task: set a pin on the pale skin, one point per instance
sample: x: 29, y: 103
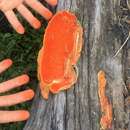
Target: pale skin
x: 8, y: 6
x: 13, y: 99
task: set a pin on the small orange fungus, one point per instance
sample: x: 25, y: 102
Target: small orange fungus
x: 106, y: 107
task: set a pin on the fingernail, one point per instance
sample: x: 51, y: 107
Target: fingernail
x: 52, y: 2
x: 36, y: 24
x: 7, y: 62
x: 20, y: 30
x: 48, y: 15
x: 24, y: 115
x: 29, y: 94
x: 24, y: 78
x: 55, y: 2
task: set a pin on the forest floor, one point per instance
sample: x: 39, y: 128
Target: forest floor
x: 23, y: 50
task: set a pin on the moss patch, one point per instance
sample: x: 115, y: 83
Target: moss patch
x: 23, y: 50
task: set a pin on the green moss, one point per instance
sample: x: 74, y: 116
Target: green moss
x: 23, y: 50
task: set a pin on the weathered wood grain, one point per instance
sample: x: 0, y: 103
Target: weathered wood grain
x: 78, y: 108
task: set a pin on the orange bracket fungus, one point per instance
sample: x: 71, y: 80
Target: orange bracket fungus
x: 106, y: 107
x: 60, y: 52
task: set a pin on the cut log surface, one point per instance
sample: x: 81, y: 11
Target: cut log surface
x: 79, y: 108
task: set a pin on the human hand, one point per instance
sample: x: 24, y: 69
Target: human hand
x: 7, y: 7
x: 13, y: 99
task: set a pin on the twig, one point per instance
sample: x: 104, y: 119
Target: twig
x: 128, y: 5
x: 122, y: 46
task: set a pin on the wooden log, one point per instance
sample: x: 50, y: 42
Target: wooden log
x: 79, y: 108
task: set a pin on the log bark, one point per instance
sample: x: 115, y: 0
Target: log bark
x: 79, y: 108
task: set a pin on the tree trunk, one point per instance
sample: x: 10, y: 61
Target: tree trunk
x: 79, y: 108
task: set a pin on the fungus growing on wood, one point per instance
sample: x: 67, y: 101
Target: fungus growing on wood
x: 60, y: 52
x: 106, y: 107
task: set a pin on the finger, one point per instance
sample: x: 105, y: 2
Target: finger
x: 13, y: 116
x: 52, y: 2
x: 14, y: 21
x: 14, y: 83
x: 37, y: 6
x: 5, y: 64
x: 17, y: 98
x: 35, y: 23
